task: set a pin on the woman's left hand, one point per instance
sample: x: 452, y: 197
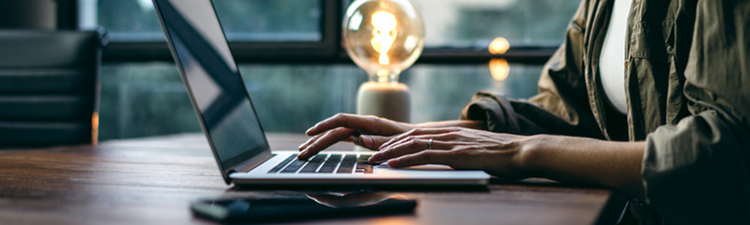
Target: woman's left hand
x: 561, y: 158
x: 461, y: 148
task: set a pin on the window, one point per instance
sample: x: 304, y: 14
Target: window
x: 243, y: 20
x: 296, y: 71
x: 475, y: 23
x: 143, y: 99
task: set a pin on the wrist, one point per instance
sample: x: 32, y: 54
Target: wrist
x: 527, y: 160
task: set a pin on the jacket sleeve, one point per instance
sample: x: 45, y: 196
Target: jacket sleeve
x: 561, y: 107
x: 698, y: 171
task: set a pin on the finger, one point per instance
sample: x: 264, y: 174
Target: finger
x: 439, y: 136
x: 372, y: 142
x: 418, y: 131
x: 324, y: 141
x: 309, y: 141
x: 339, y: 120
x: 408, y: 147
x: 422, y: 158
x: 315, y: 138
x: 365, y: 124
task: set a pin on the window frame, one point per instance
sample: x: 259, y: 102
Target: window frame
x: 326, y: 51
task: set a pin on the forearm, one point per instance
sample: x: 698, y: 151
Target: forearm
x: 473, y: 124
x: 584, y: 160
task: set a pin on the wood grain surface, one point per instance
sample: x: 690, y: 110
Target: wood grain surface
x: 154, y: 180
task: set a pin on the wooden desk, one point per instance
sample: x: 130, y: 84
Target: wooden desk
x: 153, y: 180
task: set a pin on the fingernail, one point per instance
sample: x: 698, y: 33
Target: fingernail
x: 311, y: 128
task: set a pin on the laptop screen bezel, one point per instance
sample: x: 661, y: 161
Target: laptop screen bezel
x: 226, y: 167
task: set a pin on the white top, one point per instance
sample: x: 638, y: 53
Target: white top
x: 612, y: 58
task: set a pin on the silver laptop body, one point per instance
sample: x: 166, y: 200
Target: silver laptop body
x: 226, y: 113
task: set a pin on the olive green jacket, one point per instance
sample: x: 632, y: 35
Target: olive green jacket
x: 688, y: 92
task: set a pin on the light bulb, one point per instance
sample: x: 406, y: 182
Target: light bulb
x: 383, y: 37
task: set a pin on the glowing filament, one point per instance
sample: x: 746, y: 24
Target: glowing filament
x: 383, y: 34
x: 499, y: 46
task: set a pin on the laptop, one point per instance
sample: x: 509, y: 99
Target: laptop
x: 234, y: 132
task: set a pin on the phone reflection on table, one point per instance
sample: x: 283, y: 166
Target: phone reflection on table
x: 316, y: 205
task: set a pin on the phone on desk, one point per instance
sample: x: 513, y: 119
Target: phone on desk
x: 311, y: 206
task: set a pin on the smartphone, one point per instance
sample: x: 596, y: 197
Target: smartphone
x: 299, y: 208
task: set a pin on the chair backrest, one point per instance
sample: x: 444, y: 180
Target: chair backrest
x: 49, y: 87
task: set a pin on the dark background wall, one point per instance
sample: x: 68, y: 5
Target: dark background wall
x: 28, y: 14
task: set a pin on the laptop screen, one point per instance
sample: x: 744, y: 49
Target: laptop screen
x: 213, y: 80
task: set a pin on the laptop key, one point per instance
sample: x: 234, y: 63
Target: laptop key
x: 313, y: 165
x: 278, y: 167
x: 330, y: 165
x: 294, y: 166
x: 363, y: 168
x: 363, y: 159
x: 347, y: 164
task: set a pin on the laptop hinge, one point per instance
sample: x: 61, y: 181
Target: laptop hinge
x: 251, y: 163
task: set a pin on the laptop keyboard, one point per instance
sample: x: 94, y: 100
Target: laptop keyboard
x: 324, y: 163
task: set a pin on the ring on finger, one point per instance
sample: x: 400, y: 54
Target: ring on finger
x: 429, y: 143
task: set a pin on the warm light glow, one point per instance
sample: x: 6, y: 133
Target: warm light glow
x: 383, y: 34
x: 94, y: 128
x: 499, y: 69
x: 391, y: 221
x: 499, y: 46
x: 383, y: 37
x: 383, y: 75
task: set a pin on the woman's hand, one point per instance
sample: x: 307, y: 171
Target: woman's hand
x: 366, y: 131
x: 561, y: 158
x: 463, y: 145
x: 461, y: 148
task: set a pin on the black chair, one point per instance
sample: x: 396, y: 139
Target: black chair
x: 49, y: 87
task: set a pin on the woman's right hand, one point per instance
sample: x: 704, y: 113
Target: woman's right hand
x: 366, y: 131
